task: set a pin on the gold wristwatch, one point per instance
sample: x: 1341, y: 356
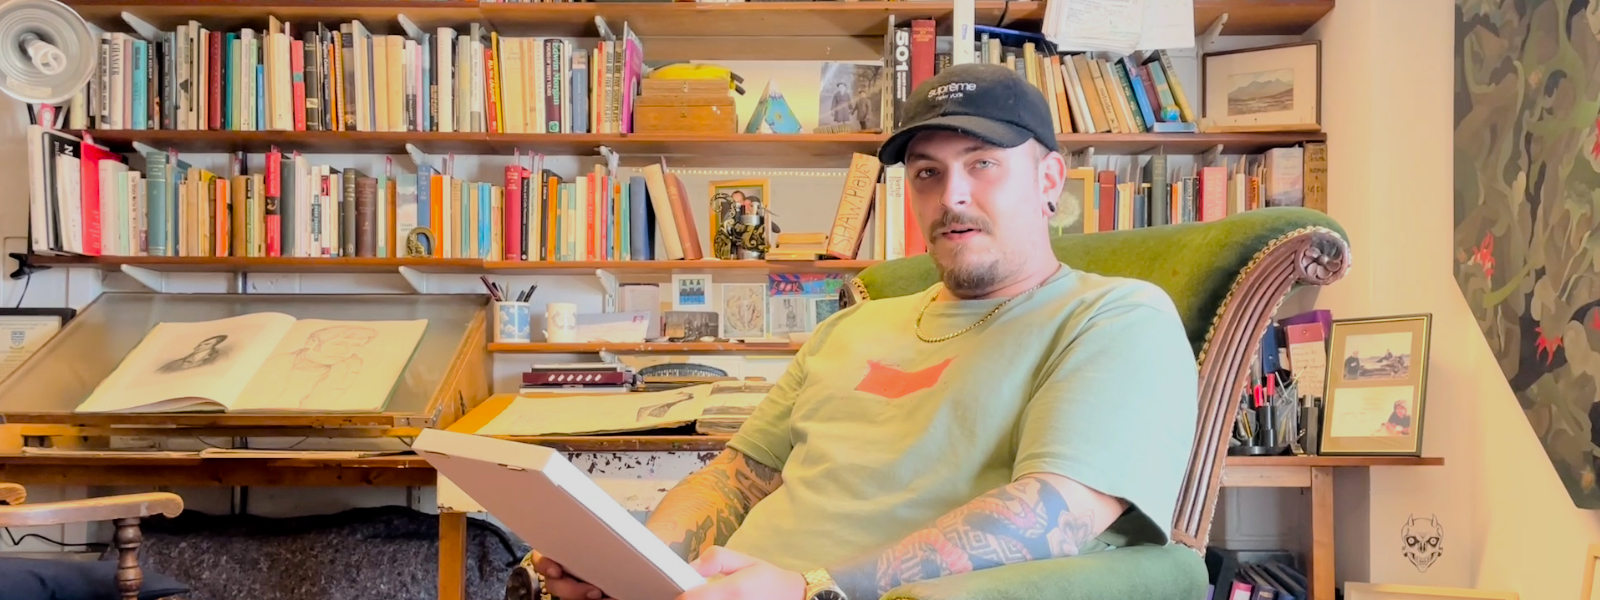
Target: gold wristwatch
x: 820, y: 586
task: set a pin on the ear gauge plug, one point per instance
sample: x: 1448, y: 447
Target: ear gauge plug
x: 1051, y: 205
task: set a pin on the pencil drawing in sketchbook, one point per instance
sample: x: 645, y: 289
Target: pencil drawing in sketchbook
x: 260, y: 362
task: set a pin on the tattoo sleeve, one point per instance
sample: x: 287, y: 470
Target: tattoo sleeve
x: 706, y: 507
x: 1028, y: 519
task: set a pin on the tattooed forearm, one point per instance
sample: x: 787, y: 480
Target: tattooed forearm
x: 1027, y: 520
x: 706, y: 507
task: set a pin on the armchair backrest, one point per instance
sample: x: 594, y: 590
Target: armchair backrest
x: 1227, y: 279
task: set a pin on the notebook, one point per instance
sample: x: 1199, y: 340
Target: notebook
x: 561, y: 513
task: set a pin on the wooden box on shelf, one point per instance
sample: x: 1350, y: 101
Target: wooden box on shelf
x: 684, y: 106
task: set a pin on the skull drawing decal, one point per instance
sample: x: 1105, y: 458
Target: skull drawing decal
x: 1423, y: 540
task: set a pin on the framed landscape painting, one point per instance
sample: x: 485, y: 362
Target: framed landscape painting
x: 1273, y: 88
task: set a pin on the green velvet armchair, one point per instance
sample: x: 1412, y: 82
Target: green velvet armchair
x: 1227, y: 278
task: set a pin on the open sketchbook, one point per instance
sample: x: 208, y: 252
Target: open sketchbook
x: 560, y: 513
x: 260, y: 362
x: 637, y: 411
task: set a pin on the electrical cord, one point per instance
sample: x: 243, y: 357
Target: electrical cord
x: 16, y: 541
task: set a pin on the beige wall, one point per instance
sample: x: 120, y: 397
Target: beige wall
x: 1508, y: 523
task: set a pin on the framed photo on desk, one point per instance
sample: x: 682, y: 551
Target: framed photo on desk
x: 1377, y: 376
x: 24, y: 330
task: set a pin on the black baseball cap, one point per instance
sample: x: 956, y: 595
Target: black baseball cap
x: 986, y: 101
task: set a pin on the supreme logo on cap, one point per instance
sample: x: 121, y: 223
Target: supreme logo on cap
x: 951, y: 90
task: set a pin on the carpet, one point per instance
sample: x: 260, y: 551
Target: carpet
x: 387, y: 553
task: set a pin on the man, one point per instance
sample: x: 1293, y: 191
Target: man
x: 1018, y: 410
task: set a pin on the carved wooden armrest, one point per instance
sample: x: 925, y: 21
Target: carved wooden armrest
x: 1313, y: 256
x: 124, y: 511
x: 110, y: 508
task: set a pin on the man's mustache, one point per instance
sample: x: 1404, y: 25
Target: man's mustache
x: 956, y: 220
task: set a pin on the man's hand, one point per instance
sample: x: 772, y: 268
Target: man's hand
x: 562, y: 585
x: 743, y: 578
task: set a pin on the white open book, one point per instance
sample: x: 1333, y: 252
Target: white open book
x: 561, y: 513
x: 260, y: 362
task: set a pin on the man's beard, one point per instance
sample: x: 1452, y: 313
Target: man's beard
x: 966, y: 278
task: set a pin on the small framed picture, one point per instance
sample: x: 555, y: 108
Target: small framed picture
x: 1377, y: 374
x: 691, y: 292
x: 1272, y: 88
x: 740, y: 221
x: 744, y: 310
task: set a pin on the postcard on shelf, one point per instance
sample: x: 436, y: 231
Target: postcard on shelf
x: 577, y: 524
x: 260, y: 362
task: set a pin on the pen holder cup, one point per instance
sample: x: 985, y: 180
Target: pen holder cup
x: 513, y: 322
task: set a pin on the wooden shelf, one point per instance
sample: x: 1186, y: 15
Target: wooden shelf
x: 751, y: 19
x: 174, y: 264
x: 662, y: 19
x: 377, y: 15
x: 1335, y: 461
x: 586, y: 443
x: 447, y: 265
x: 668, y: 267
x: 789, y: 150
x: 625, y: 348
x: 1255, y: 17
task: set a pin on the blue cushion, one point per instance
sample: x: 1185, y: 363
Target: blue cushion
x: 67, y: 579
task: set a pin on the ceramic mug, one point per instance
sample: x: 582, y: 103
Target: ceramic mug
x: 513, y: 322
x: 561, y: 322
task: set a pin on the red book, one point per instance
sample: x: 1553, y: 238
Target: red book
x: 297, y: 64
x: 90, y: 155
x: 1106, y: 206
x: 214, y: 109
x: 272, y: 191
x: 513, y: 213
x: 923, y: 50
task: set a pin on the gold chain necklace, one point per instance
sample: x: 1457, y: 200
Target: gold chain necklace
x: 918, y: 326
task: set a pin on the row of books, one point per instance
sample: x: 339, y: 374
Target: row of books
x: 87, y: 200
x: 1150, y: 191
x: 349, y: 79
x: 1088, y: 92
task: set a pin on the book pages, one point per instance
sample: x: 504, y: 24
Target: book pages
x: 190, y: 366
x: 333, y: 366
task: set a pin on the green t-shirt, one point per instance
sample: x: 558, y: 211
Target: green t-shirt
x: 879, y: 433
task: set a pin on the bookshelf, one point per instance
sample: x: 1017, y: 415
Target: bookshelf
x: 794, y: 150
x: 667, y: 19
x: 653, y: 348
x: 228, y: 264
x: 677, y: 30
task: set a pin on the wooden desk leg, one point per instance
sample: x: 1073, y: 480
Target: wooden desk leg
x: 1322, y: 548
x: 453, y: 555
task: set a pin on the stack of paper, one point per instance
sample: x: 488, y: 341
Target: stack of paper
x: 1121, y: 26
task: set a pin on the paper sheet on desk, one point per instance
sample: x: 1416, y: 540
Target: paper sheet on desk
x: 1120, y: 26
x: 610, y: 413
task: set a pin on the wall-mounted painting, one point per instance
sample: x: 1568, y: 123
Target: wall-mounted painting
x: 1527, y: 195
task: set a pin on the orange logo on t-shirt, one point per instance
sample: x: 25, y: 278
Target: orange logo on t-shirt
x: 892, y: 383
